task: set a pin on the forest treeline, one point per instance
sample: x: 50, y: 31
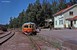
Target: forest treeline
x: 38, y: 12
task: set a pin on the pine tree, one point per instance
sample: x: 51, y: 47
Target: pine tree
x: 73, y: 2
x: 62, y: 4
x: 11, y: 22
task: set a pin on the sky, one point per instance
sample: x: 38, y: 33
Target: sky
x: 12, y: 8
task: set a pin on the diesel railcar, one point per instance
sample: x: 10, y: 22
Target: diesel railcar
x: 29, y: 28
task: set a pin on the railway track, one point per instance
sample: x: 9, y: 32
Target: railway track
x: 40, y: 44
x: 5, y: 37
x: 51, y: 41
x: 34, y: 43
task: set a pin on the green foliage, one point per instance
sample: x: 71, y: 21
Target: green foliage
x: 11, y: 23
x: 62, y: 5
x: 37, y: 12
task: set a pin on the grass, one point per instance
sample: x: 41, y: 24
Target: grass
x: 32, y: 44
x: 54, y: 42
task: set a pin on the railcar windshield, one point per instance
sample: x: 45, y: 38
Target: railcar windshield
x: 26, y: 26
x: 31, y: 26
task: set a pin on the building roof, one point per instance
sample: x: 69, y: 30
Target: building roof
x: 75, y: 18
x: 64, y: 10
x: 28, y: 23
x: 71, y: 19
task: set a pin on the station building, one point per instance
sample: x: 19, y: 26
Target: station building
x: 66, y: 18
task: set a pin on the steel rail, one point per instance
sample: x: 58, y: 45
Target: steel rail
x: 34, y: 42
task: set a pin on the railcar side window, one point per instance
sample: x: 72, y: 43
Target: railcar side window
x: 30, y: 26
x: 26, y: 26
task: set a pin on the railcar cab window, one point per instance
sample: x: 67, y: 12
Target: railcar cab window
x: 30, y: 26
x: 26, y: 26
x: 71, y: 13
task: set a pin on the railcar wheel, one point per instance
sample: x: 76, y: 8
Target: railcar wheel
x: 35, y: 33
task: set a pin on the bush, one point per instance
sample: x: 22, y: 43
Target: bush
x: 3, y: 28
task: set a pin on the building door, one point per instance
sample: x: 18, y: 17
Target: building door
x: 71, y: 24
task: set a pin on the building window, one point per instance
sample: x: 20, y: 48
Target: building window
x: 60, y: 22
x: 74, y: 21
x: 56, y: 22
x: 71, y: 13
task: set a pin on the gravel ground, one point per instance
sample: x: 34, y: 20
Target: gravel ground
x: 18, y: 42
x: 63, y: 34
x: 68, y: 36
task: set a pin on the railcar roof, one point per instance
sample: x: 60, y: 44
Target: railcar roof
x: 29, y: 23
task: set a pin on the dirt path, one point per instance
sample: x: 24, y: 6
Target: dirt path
x: 18, y: 42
